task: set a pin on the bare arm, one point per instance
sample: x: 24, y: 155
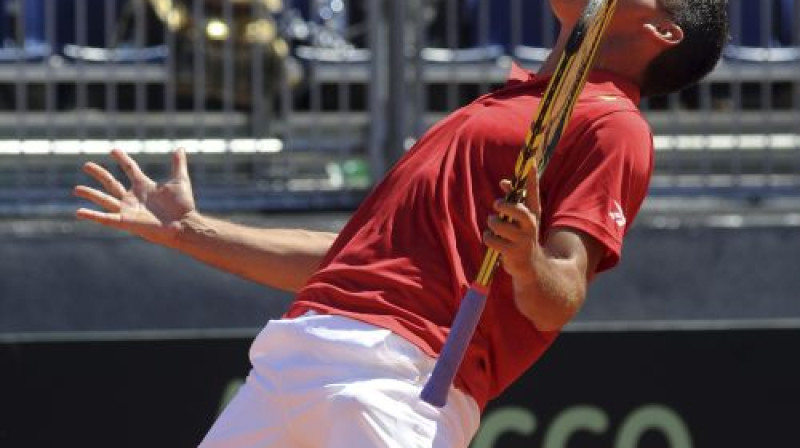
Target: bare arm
x: 280, y: 258
x: 554, y: 289
x: 165, y: 214
x: 550, y: 280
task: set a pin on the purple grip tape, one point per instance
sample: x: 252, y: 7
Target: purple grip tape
x: 467, y: 318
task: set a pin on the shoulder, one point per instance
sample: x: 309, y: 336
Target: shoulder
x: 627, y: 125
x: 612, y: 125
x: 611, y: 104
x: 612, y: 140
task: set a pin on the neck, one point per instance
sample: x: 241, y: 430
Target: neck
x: 549, y: 65
x: 610, y: 57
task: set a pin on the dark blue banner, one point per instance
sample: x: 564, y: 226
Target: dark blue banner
x: 628, y: 389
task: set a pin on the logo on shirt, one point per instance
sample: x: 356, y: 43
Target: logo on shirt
x: 618, y: 215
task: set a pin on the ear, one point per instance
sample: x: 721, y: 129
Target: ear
x: 666, y: 33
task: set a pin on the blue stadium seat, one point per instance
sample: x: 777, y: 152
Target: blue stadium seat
x: 94, y: 44
x: 747, y: 23
x: 752, y: 43
x: 531, y: 25
x: 472, y: 55
x: 34, y: 45
x: 519, y: 27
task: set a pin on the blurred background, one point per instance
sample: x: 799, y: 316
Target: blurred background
x: 290, y: 111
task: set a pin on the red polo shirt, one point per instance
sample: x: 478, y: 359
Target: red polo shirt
x: 409, y: 253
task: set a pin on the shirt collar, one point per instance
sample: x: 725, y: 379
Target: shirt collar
x: 598, y: 80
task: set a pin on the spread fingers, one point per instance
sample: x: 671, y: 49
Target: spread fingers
x: 104, y: 200
x: 106, y: 179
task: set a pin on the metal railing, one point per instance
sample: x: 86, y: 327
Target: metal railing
x: 303, y: 104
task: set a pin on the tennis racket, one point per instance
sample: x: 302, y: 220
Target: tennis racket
x: 552, y: 116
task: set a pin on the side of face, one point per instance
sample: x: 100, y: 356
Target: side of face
x: 628, y: 11
x: 640, y: 31
x: 638, y: 25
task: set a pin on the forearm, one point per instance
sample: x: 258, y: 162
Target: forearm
x: 550, y: 279
x: 279, y: 258
x: 552, y: 292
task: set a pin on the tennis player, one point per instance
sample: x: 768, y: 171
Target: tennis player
x: 344, y: 367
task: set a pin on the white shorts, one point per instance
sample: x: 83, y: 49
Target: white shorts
x: 332, y: 382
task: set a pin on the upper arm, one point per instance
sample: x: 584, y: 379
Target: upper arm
x: 581, y: 252
x: 570, y: 260
x: 599, y: 184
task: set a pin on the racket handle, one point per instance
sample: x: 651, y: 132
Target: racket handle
x: 444, y: 371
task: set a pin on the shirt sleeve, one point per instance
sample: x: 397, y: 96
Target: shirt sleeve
x: 606, y: 183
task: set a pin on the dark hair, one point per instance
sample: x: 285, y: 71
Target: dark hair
x: 705, y: 32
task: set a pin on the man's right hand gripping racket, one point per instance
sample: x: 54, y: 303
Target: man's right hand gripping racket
x: 552, y: 116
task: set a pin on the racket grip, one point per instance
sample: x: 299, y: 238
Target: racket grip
x: 455, y: 346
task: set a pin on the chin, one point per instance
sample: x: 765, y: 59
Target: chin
x: 567, y: 10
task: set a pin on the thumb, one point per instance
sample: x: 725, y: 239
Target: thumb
x: 532, y: 199
x: 180, y: 165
